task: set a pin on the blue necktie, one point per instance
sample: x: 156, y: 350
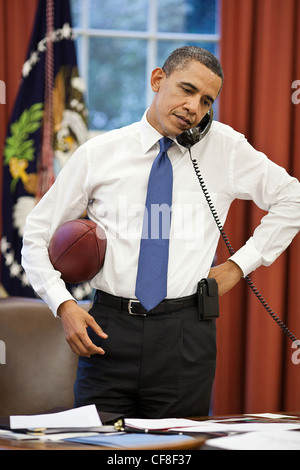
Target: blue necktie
x: 151, y: 283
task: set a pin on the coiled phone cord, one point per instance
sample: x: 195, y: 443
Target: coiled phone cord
x: 231, y: 251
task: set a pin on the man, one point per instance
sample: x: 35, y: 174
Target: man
x: 158, y: 363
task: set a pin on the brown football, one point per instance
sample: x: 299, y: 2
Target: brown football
x: 77, y: 250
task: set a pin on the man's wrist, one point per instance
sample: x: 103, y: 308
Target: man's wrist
x: 64, y: 306
x: 236, y: 268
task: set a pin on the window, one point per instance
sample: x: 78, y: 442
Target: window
x: 119, y: 43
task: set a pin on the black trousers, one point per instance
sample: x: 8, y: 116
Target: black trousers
x: 154, y: 367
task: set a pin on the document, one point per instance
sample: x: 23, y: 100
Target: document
x: 159, y: 424
x: 82, y: 417
x: 123, y: 440
x: 272, y: 416
x: 208, y: 426
x: 281, y: 440
x: 213, y: 427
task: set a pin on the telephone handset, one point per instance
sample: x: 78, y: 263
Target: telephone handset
x: 195, y: 134
x: 188, y: 139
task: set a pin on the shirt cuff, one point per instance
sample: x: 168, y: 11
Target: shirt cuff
x: 247, y: 258
x: 55, y: 296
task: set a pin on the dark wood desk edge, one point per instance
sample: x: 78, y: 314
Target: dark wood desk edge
x: 14, y: 444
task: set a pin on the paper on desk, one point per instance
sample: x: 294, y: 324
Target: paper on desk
x: 132, y: 440
x: 283, y: 440
x: 214, y: 427
x: 272, y: 416
x: 82, y: 417
x: 207, y: 426
x: 159, y: 424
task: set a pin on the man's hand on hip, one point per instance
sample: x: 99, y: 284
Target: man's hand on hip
x: 227, y: 276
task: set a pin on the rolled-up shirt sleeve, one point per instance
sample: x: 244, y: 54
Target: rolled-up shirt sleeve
x: 255, y: 177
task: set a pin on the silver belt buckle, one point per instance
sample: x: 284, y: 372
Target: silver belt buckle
x: 130, y: 302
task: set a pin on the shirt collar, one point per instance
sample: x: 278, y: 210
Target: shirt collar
x: 150, y: 136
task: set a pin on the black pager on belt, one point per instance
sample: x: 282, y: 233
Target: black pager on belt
x: 208, y: 299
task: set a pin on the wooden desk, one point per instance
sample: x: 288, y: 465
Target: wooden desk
x: 14, y: 444
x: 197, y: 443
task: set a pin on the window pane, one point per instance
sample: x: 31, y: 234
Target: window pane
x: 116, y: 82
x: 187, y: 16
x: 76, y: 10
x: 119, y: 14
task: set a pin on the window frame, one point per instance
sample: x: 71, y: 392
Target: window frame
x: 152, y: 36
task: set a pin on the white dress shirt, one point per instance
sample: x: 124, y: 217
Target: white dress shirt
x: 108, y: 176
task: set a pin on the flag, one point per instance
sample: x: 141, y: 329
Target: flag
x: 48, y: 123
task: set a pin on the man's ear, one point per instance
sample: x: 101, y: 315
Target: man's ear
x: 157, y: 75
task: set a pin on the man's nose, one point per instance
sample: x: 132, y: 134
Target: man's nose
x: 193, y: 107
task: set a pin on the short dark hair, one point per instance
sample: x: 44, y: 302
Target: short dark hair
x: 179, y: 59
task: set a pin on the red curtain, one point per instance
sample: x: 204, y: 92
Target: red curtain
x: 257, y: 367
x: 16, y: 21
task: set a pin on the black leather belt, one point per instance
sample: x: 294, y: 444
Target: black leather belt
x: 134, y: 307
